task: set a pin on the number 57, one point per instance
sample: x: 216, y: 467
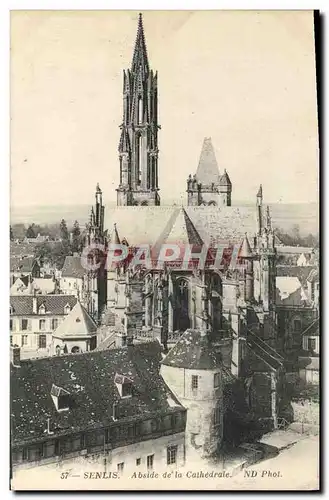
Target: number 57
x: 64, y: 475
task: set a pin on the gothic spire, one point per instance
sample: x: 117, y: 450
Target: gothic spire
x: 140, y: 53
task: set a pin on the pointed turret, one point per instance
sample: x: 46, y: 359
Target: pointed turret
x: 245, y: 251
x: 268, y: 219
x: 260, y: 195
x: 124, y: 144
x: 140, y: 59
x: 208, y: 187
x: 115, y: 236
x: 224, y: 179
x: 92, y: 217
x: 207, y: 172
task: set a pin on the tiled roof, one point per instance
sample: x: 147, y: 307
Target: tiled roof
x: 194, y: 352
x: 144, y: 225
x: 207, y: 172
x: 78, y: 322
x: 73, y: 268
x: 54, y: 304
x: 89, y: 379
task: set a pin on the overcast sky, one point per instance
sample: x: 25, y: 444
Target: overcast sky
x: 247, y: 79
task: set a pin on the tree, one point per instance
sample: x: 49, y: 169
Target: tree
x: 30, y: 232
x: 76, y: 237
x: 63, y: 231
x: 53, y: 252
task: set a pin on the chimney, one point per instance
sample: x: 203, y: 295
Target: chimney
x: 48, y: 427
x: 15, y: 355
x: 34, y: 302
x: 115, y: 411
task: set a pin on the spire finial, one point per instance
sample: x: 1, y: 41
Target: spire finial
x: 140, y: 52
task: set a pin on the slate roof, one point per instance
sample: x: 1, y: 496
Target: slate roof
x: 194, y: 352
x: 225, y: 180
x: 180, y: 230
x: 300, y: 272
x: 207, y: 171
x: 89, y: 379
x: 72, y: 267
x: 78, y: 322
x: 54, y: 304
x: 144, y: 225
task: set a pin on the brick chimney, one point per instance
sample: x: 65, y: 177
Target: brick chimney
x: 15, y: 356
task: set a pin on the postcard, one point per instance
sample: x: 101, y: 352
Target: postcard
x: 164, y: 250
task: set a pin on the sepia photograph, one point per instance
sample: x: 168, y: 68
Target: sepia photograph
x: 164, y: 250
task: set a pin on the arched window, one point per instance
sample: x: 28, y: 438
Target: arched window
x: 144, y: 203
x: 212, y: 203
x: 75, y: 349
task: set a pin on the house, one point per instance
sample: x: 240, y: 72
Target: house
x: 72, y: 276
x: 309, y: 360
x: 109, y: 406
x: 28, y: 286
x: 313, y: 286
x: 21, y: 286
x: 305, y: 259
x: 24, y: 266
x: 294, y: 312
x: 33, y: 319
x: 77, y: 333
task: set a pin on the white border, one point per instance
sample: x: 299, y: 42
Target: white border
x: 5, y: 7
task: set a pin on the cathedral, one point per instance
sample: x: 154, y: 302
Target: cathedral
x: 216, y: 325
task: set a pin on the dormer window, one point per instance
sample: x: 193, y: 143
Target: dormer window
x: 11, y: 310
x: 67, y: 309
x: 60, y: 397
x: 42, y: 309
x: 124, y: 385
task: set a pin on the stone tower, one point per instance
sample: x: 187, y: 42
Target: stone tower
x: 138, y: 147
x: 208, y: 186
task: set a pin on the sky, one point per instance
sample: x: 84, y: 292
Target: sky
x: 244, y: 78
